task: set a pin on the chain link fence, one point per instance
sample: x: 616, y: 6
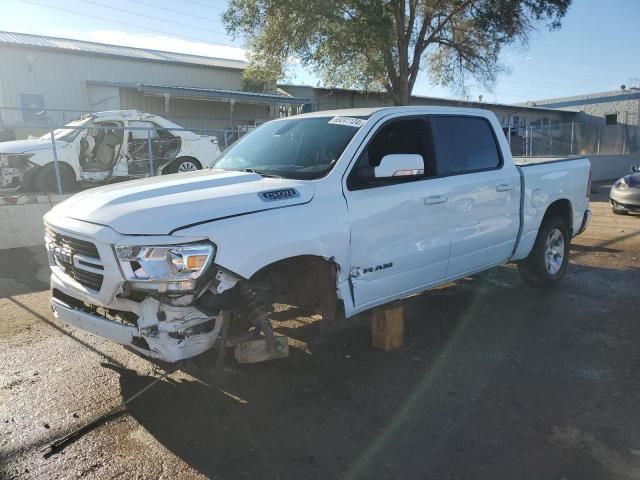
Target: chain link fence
x: 577, y: 138
x: 18, y: 123
x: 87, y: 152
x: 94, y: 150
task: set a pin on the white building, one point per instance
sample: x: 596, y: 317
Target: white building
x: 49, y: 80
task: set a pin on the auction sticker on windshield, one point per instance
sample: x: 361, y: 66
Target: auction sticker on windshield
x: 348, y: 121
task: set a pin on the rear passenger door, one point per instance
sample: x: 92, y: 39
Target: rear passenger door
x: 483, y: 207
x: 164, y: 147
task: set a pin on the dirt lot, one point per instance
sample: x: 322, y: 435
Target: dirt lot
x: 496, y: 380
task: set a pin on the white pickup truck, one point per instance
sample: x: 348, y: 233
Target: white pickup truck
x: 342, y: 211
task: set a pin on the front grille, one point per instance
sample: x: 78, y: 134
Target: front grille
x: 64, y: 248
x: 88, y: 279
x: 77, y: 246
x: 628, y: 206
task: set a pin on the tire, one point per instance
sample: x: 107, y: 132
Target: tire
x: 184, y: 164
x: 29, y: 180
x: 546, y: 264
x: 45, y: 179
x: 619, y: 212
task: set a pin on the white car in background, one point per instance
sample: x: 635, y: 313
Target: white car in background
x: 103, y: 147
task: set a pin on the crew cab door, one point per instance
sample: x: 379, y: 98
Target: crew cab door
x: 483, y: 208
x: 399, y: 229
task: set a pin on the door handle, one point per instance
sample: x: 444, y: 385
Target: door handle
x: 434, y: 199
x: 503, y: 187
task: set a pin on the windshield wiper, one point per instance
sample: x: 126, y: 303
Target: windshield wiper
x: 264, y: 174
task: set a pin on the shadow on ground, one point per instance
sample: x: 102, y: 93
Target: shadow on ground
x: 23, y: 270
x: 494, y: 378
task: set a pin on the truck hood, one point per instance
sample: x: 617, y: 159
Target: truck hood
x: 26, y: 146
x: 160, y: 205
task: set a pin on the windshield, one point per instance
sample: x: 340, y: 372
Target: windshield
x: 303, y: 148
x: 68, y: 134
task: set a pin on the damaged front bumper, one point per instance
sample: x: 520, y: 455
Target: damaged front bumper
x: 13, y: 169
x: 155, y: 330
x: 88, y: 291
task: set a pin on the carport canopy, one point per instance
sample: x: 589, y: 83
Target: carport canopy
x: 224, y: 95
x: 209, y: 93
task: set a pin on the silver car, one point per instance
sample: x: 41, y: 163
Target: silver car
x: 625, y: 193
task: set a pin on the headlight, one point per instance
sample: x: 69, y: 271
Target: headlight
x: 621, y: 184
x: 16, y: 160
x: 174, y: 268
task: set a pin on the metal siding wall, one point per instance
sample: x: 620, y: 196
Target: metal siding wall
x: 61, y: 77
x: 3, y: 115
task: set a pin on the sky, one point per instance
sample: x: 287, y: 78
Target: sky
x: 595, y: 50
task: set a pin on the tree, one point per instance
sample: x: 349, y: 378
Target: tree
x: 384, y: 44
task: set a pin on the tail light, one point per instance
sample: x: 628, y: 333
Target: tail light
x: 589, y: 184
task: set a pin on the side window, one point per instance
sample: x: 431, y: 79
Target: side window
x: 163, y: 134
x: 141, y: 134
x: 403, y: 136
x: 464, y: 144
x: 611, y: 119
x: 33, y: 110
x: 156, y: 131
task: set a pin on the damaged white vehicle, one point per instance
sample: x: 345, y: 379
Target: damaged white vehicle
x: 332, y: 211
x: 102, y: 147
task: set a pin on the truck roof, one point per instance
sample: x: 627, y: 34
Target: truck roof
x: 113, y: 113
x: 367, y: 112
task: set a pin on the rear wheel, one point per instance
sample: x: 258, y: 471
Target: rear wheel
x: 184, y: 164
x: 45, y: 179
x: 547, y: 262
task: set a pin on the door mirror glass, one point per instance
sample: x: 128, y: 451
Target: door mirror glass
x: 400, y: 165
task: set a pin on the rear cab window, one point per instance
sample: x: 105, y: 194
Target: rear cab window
x: 464, y: 145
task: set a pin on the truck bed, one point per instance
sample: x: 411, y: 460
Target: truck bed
x: 526, y: 161
x: 545, y: 179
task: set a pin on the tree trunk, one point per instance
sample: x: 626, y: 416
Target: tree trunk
x: 401, y: 85
x: 402, y: 94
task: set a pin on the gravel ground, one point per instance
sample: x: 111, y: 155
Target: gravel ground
x: 496, y: 380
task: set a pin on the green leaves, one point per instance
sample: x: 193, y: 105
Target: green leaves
x: 384, y: 44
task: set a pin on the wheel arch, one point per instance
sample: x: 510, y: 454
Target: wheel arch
x: 62, y: 165
x: 302, y: 279
x: 561, y: 207
x: 307, y: 263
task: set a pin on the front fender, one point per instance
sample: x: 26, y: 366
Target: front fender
x: 248, y: 243
x: 40, y: 157
x: 66, y: 155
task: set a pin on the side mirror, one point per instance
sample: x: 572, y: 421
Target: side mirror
x: 635, y: 169
x: 400, y: 165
